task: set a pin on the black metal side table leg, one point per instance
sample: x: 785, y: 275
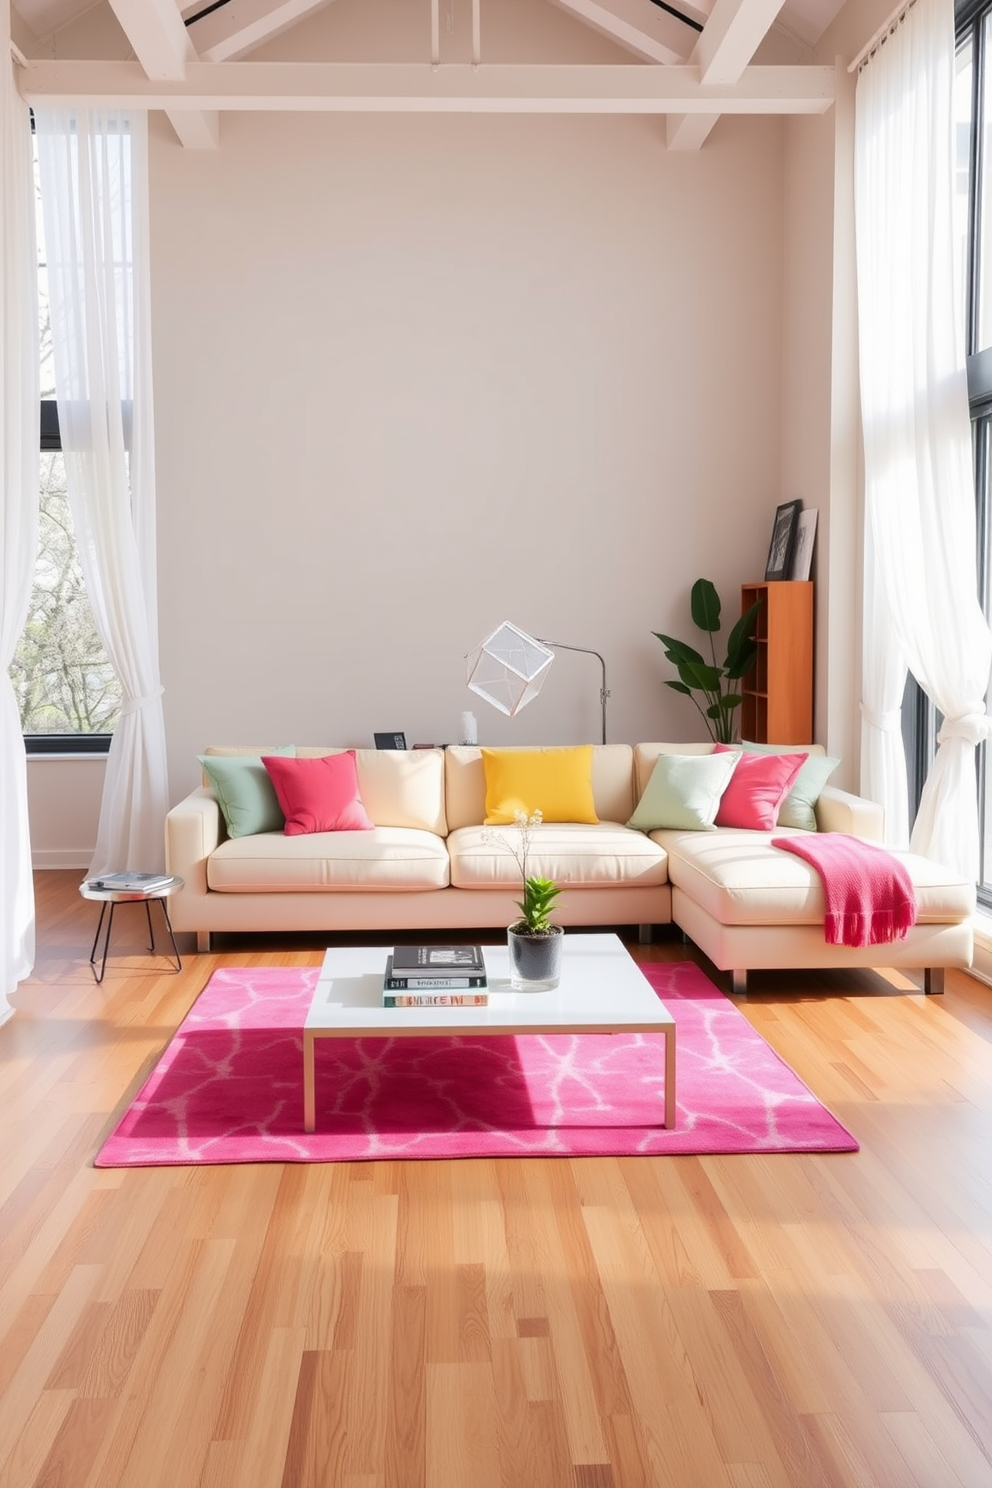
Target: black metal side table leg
x: 168, y: 926
x: 106, y: 940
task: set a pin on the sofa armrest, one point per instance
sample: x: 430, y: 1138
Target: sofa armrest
x: 193, y: 828
x: 839, y: 811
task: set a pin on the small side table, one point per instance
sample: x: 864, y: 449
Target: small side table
x: 109, y: 898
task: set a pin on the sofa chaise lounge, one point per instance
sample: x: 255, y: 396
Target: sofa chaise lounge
x: 429, y: 864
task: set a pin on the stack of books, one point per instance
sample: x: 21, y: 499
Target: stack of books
x: 435, y: 976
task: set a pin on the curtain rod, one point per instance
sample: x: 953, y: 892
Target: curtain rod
x: 885, y: 30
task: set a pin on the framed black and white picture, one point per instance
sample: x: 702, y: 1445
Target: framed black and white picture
x: 779, y: 565
x: 802, y: 555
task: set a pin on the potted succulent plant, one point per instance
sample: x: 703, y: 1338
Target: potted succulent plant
x: 534, y: 943
x: 696, y: 674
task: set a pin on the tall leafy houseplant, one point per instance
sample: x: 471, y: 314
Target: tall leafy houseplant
x: 719, y: 699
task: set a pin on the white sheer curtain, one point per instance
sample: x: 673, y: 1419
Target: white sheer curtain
x: 919, y: 492
x: 19, y: 396
x: 94, y: 175
x: 883, y: 682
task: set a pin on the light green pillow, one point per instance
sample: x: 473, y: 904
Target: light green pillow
x: 799, y: 807
x: 244, y: 792
x: 683, y: 792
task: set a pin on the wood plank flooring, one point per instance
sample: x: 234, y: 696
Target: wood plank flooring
x: 743, y: 1322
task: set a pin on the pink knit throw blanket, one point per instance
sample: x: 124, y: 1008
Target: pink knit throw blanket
x: 869, y: 894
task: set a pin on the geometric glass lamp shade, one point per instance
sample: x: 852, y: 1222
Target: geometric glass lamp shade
x: 508, y: 668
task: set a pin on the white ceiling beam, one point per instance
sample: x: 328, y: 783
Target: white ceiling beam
x: 641, y: 27
x: 356, y: 87
x: 198, y: 129
x: 242, y: 25
x: 157, y: 35
x: 158, y: 38
x: 688, y: 131
x: 698, y: 10
x: 731, y: 36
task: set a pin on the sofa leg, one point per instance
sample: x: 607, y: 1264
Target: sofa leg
x: 933, y: 980
x: 738, y: 983
x: 645, y: 934
x: 202, y: 942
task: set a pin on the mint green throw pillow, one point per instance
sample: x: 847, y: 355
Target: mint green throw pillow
x: 799, y: 807
x: 244, y: 792
x: 683, y: 792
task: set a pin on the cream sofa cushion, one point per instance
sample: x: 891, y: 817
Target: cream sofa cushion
x: 603, y: 856
x: 740, y: 880
x: 465, y: 783
x: 399, y: 787
x: 387, y: 859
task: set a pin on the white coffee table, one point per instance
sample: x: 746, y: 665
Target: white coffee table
x: 602, y: 990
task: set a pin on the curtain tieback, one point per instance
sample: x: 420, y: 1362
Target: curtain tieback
x: 133, y: 705
x: 889, y: 722
x: 970, y: 728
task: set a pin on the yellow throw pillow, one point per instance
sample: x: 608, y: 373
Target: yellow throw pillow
x: 556, y: 782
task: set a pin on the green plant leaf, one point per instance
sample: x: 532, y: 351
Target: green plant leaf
x: 742, y: 648
x: 678, y: 651
x: 678, y: 686
x: 701, y: 676
x: 704, y: 605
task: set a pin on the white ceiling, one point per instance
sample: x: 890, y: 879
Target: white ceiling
x: 690, y: 60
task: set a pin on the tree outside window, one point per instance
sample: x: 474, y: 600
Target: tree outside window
x: 63, y: 681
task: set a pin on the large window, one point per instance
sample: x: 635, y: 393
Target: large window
x: 67, y: 691
x: 973, y: 236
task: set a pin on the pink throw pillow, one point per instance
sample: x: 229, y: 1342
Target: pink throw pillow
x: 756, y: 789
x: 320, y: 794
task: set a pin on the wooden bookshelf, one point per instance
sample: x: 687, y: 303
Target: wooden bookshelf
x: 778, y: 693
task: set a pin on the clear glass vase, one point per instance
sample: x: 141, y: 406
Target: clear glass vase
x: 535, y: 960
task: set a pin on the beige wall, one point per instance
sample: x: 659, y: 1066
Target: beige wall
x: 64, y: 810
x: 415, y: 375
x: 424, y: 374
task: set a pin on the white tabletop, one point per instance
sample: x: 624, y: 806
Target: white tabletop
x: 601, y: 990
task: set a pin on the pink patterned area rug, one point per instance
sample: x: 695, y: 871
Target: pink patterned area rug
x: 229, y: 1087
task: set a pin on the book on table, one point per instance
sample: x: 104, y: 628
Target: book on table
x: 438, y: 961
x: 451, y: 991
x: 130, y: 883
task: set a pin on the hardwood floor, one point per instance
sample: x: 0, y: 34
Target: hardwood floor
x: 741, y: 1322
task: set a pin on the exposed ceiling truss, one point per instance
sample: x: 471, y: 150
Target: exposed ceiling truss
x: 194, y: 69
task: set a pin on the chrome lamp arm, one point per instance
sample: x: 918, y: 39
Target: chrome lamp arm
x: 604, y: 691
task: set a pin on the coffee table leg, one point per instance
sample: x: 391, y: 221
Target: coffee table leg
x: 670, y: 1106
x: 309, y: 1103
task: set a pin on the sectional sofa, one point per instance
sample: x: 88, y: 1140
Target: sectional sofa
x: 429, y: 864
